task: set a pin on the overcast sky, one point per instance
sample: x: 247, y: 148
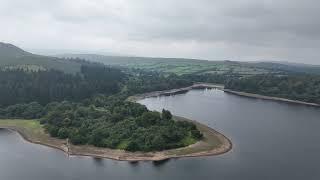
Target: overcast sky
x: 287, y: 30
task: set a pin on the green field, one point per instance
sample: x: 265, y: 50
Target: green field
x: 31, y: 128
x: 180, y: 66
x: 12, y: 57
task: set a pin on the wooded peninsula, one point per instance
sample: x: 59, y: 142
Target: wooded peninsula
x: 90, y: 107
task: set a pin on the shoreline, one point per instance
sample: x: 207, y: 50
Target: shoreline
x: 213, y: 143
x: 138, y: 97
x: 225, y: 145
x: 204, y: 147
x: 271, y: 98
x: 26, y: 137
x: 220, y: 87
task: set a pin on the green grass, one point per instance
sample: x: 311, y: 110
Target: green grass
x: 181, y: 68
x: 32, y: 125
x: 122, y: 145
x: 31, y: 128
x: 34, y: 131
x: 188, y: 140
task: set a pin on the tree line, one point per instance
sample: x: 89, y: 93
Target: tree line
x: 19, y: 86
x: 296, y: 87
x: 118, y: 124
x: 91, y: 108
x: 108, y: 121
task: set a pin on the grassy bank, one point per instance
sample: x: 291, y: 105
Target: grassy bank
x: 30, y: 128
x: 213, y: 143
x: 32, y: 131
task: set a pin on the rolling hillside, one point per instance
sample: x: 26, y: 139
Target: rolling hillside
x: 179, y: 66
x: 14, y: 57
x: 172, y: 65
x: 195, y: 66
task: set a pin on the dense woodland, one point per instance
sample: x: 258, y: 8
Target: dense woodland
x: 297, y: 87
x: 108, y: 121
x: 143, y: 81
x: 86, y: 102
x: 91, y: 108
x: 19, y: 86
x: 118, y: 124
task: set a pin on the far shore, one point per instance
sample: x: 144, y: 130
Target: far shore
x: 138, y: 97
x: 257, y: 96
x: 220, y: 87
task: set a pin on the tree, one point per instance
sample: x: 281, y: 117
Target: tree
x: 97, y: 137
x: 90, y: 107
x: 63, y: 133
x: 158, y: 143
x: 149, y: 119
x: 196, y: 134
x: 132, y: 146
x: 166, y: 115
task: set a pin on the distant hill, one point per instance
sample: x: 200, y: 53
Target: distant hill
x: 290, y: 67
x: 166, y: 65
x: 9, y: 50
x: 292, y: 63
x: 188, y: 66
x: 121, y: 60
x: 14, y: 57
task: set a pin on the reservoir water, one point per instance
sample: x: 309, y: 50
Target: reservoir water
x: 271, y: 140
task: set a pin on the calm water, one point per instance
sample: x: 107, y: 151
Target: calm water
x: 271, y: 141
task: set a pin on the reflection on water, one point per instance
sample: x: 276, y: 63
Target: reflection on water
x: 134, y: 163
x: 160, y: 163
x: 271, y: 140
x: 98, y: 161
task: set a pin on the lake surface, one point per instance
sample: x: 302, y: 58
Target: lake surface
x: 272, y: 140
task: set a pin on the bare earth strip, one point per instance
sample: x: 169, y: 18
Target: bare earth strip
x: 257, y: 96
x: 175, y: 91
x: 213, y: 143
x: 32, y: 131
x: 220, y: 87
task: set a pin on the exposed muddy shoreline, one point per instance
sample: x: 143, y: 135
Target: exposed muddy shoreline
x: 138, y: 97
x: 224, y: 146
x: 257, y: 96
x: 221, y: 145
x: 220, y: 87
x: 213, y: 142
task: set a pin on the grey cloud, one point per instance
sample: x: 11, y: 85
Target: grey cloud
x: 211, y: 29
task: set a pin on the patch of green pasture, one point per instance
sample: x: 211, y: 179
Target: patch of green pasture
x: 30, y: 127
